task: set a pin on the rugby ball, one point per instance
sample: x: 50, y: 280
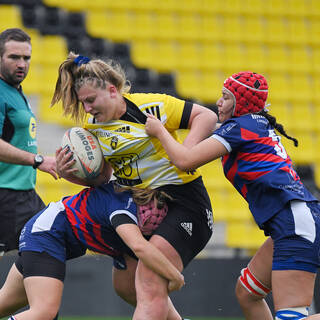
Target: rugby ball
x: 86, y: 151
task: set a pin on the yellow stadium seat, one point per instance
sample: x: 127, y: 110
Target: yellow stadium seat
x: 189, y: 26
x: 166, y: 24
x: 279, y: 84
x: 111, y: 24
x: 212, y: 27
x: 299, y: 31
x: 277, y: 59
x: 276, y: 8
x: 71, y: 5
x: 233, y: 29
x: 277, y: 29
x: 305, y: 153
x: 301, y: 88
x: 253, y: 29
x: 315, y: 65
x: 314, y: 9
x: 211, y: 56
x: 144, y: 26
x: 211, y: 84
x: 300, y: 59
x: 53, y: 190
x: 10, y: 17
x: 53, y: 50
x: 315, y: 31
x: 188, y: 83
x: 244, y: 235
x: 235, y: 58
x: 188, y: 55
x: 164, y: 56
x: 256, y: 57
x: 53, y: 114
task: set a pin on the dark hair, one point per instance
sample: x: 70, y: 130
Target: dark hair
x: 279, y: 127
x: 15, y: 34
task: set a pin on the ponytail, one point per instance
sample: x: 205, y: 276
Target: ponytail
x: 279, y: 127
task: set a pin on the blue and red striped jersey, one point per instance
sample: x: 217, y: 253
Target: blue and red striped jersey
x: 90, y: 213
x: 258, y: 166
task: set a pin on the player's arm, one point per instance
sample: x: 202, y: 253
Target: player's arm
x: 11, y: 154
x: 151, y: 256
x: 202, y: 123
x: 65, y: 161
x: 185, y: 158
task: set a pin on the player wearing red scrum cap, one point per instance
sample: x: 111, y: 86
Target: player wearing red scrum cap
x: 256, y: 163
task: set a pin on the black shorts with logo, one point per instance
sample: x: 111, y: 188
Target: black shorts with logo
x: 188, y: 225
x: 17, y: 207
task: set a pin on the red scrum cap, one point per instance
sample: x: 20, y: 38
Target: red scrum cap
x: 249, y: 90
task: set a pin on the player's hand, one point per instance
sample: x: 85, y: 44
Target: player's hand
x: 49, y: 165
x: 64, y: 163
x: 176, y: 284
x: 153, y: 126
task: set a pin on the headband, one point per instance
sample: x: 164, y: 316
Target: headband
x: 79, y: 60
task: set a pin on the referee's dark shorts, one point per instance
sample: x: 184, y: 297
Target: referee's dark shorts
x: 17, y: 207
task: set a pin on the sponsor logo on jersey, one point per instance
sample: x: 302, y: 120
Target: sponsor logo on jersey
x: 125, y: 129
x: 114, y: 142
x: 187, y: 226
x: 32, y: 127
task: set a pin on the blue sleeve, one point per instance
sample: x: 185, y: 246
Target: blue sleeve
x: 231, y: 132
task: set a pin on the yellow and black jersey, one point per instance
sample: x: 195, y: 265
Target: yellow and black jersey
x: 137, y: 159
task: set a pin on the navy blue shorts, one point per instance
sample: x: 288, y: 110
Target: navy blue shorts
x: 295, y: 231
x: 50, y: 231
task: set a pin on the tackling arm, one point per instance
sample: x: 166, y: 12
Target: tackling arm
x: 151, y: 256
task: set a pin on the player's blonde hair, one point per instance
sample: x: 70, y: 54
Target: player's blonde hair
x: 144, y: 196
x: 72, y: 76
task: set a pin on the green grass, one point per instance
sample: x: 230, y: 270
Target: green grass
x: 126, y: 318
x: 117, y: 318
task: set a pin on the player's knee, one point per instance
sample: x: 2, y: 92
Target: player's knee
x: 249, y: 288
x: 126, y: 293
x: 292, y: 313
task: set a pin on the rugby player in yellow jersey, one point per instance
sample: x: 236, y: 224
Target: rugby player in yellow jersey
x: 97, y: 93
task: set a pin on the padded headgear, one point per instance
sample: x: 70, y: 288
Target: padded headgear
x: 249, y: 90
x: 150, y: 216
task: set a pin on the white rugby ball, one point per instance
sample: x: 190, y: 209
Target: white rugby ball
x: 86, y: 151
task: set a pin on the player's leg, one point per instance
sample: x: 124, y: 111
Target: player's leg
x: 12, y: 294
x: 44, y: 296
x: 152, y: 292
x: 254, y: 284
x: 295, y: 231
x: 123, y: 275
x: 293, y: 293
x: 43, y: 282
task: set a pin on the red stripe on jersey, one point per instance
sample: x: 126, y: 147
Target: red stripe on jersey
x: 96, y: 227
x: 71, y: 215
x: 252, y: 175
x: 291, y: 172
x: 248, y: 135
x: 258, y: 157
x: 244, y: 191
x: 232, y: 172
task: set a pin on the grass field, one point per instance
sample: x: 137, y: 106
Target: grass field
x: 117, y: 318
x: 121, y: 318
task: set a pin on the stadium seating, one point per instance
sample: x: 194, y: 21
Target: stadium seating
x: 188, y: 50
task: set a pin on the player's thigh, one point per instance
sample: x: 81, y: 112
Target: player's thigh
x: 124, y: 278
x: 260, y: 264
x: 168, y: 250
x: 12, y: 293
x: 44, y: 293
x: 292, y: 288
